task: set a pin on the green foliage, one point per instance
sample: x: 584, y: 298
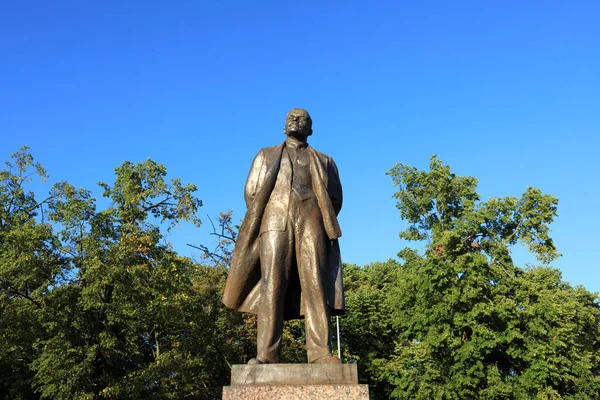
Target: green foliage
x: 95, y: 303
x: 471, y: 324
x: 447, y: 207
x: 366, y: 329
x: 29, y: 265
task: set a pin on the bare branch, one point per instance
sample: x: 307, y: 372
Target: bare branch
x: 221, y: 235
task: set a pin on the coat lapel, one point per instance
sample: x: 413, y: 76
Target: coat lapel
x: 319, y: 175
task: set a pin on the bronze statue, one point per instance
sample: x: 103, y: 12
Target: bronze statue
x: 286, y: 263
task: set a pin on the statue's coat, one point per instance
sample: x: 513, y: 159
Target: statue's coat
x: 242, y: 289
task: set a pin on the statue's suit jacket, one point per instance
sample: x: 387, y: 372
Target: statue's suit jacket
x: 267, y: 193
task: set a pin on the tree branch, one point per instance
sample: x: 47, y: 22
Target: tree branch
x: 160, y: 203
x: 221, y: 235
x: 24, y: 296
x: 42, y: 202
x: 215, y: 257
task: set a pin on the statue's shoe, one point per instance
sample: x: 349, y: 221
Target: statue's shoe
x: 328, y: 359
x: 255, y: 361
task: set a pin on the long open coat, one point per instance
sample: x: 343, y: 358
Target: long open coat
x: 242, y: 289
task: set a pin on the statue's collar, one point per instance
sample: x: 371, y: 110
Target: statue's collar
x: 292, y: 142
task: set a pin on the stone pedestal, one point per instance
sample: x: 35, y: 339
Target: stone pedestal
x: 295, y: 381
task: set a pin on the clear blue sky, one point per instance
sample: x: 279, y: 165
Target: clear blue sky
x: 507, y: 91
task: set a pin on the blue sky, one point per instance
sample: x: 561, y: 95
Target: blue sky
x: 506, y: 91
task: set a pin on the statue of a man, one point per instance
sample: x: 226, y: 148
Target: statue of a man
x: 286, y: 262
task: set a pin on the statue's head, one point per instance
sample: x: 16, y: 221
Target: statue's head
x: 298, y: 124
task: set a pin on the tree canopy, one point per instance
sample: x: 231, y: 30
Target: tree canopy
x: 95, y: 303
x: 470, y: 323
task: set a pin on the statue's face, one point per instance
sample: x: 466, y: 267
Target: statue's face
x: 298, y: 124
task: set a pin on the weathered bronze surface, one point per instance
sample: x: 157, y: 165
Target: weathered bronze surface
x: 286, y: 263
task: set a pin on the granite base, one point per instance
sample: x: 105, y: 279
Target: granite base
x: 297, y: 392
x: 295, y: 381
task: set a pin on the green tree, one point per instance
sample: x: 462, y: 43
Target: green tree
x: 95, y: 303
x: 367, y: 332
x: 471, y: 323
x: 29, y: 266
x: 123, y: 324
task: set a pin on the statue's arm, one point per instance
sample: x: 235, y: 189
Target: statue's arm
x: 335, y: 186
x: 253, y: 177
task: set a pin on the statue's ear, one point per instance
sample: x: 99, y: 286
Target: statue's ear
x: 310, y: 133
